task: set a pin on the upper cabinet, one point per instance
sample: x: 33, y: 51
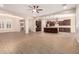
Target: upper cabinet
x: 65, y: 22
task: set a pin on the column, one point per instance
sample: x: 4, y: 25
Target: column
x: 43, y: 24
x: 26, y: 25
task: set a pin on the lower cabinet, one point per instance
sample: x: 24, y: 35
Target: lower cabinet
x: 51, y: 30
x: 55, y: 30
x: 64, y: 30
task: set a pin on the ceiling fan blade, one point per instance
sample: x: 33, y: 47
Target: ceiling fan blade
x: 37, y: 6
x: 29, y: 9
x: 34, y: 7
x: 30, y: 6
x: 39, y: 9
x: 64, y: 4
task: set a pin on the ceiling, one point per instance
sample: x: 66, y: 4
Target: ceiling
x: 22, y: 9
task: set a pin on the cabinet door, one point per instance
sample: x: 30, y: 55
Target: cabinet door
x: 64, y: 29
x: 64, y: 22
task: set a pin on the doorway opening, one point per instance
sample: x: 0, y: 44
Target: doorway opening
x: 38, y: 25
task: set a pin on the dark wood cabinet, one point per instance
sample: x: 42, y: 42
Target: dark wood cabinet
x: 38, y: 26
x: 51, y: 30
x: 64, y: 22
x: 61, y: 27
x: 50, y: 23
x: 64, y: 29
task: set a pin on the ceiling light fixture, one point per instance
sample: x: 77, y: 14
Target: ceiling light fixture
x: 34, y: 10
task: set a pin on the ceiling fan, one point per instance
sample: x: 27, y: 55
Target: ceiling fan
x: 35, y: 8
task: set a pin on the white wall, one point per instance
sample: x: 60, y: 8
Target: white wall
x: 5, y: 18
x: 43, y: 24
x: 77, y: 19
x: 77, y: 23
x: 15, y: 26
x: 73, y: 26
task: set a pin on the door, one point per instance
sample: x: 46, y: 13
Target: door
x: 38, y: 25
